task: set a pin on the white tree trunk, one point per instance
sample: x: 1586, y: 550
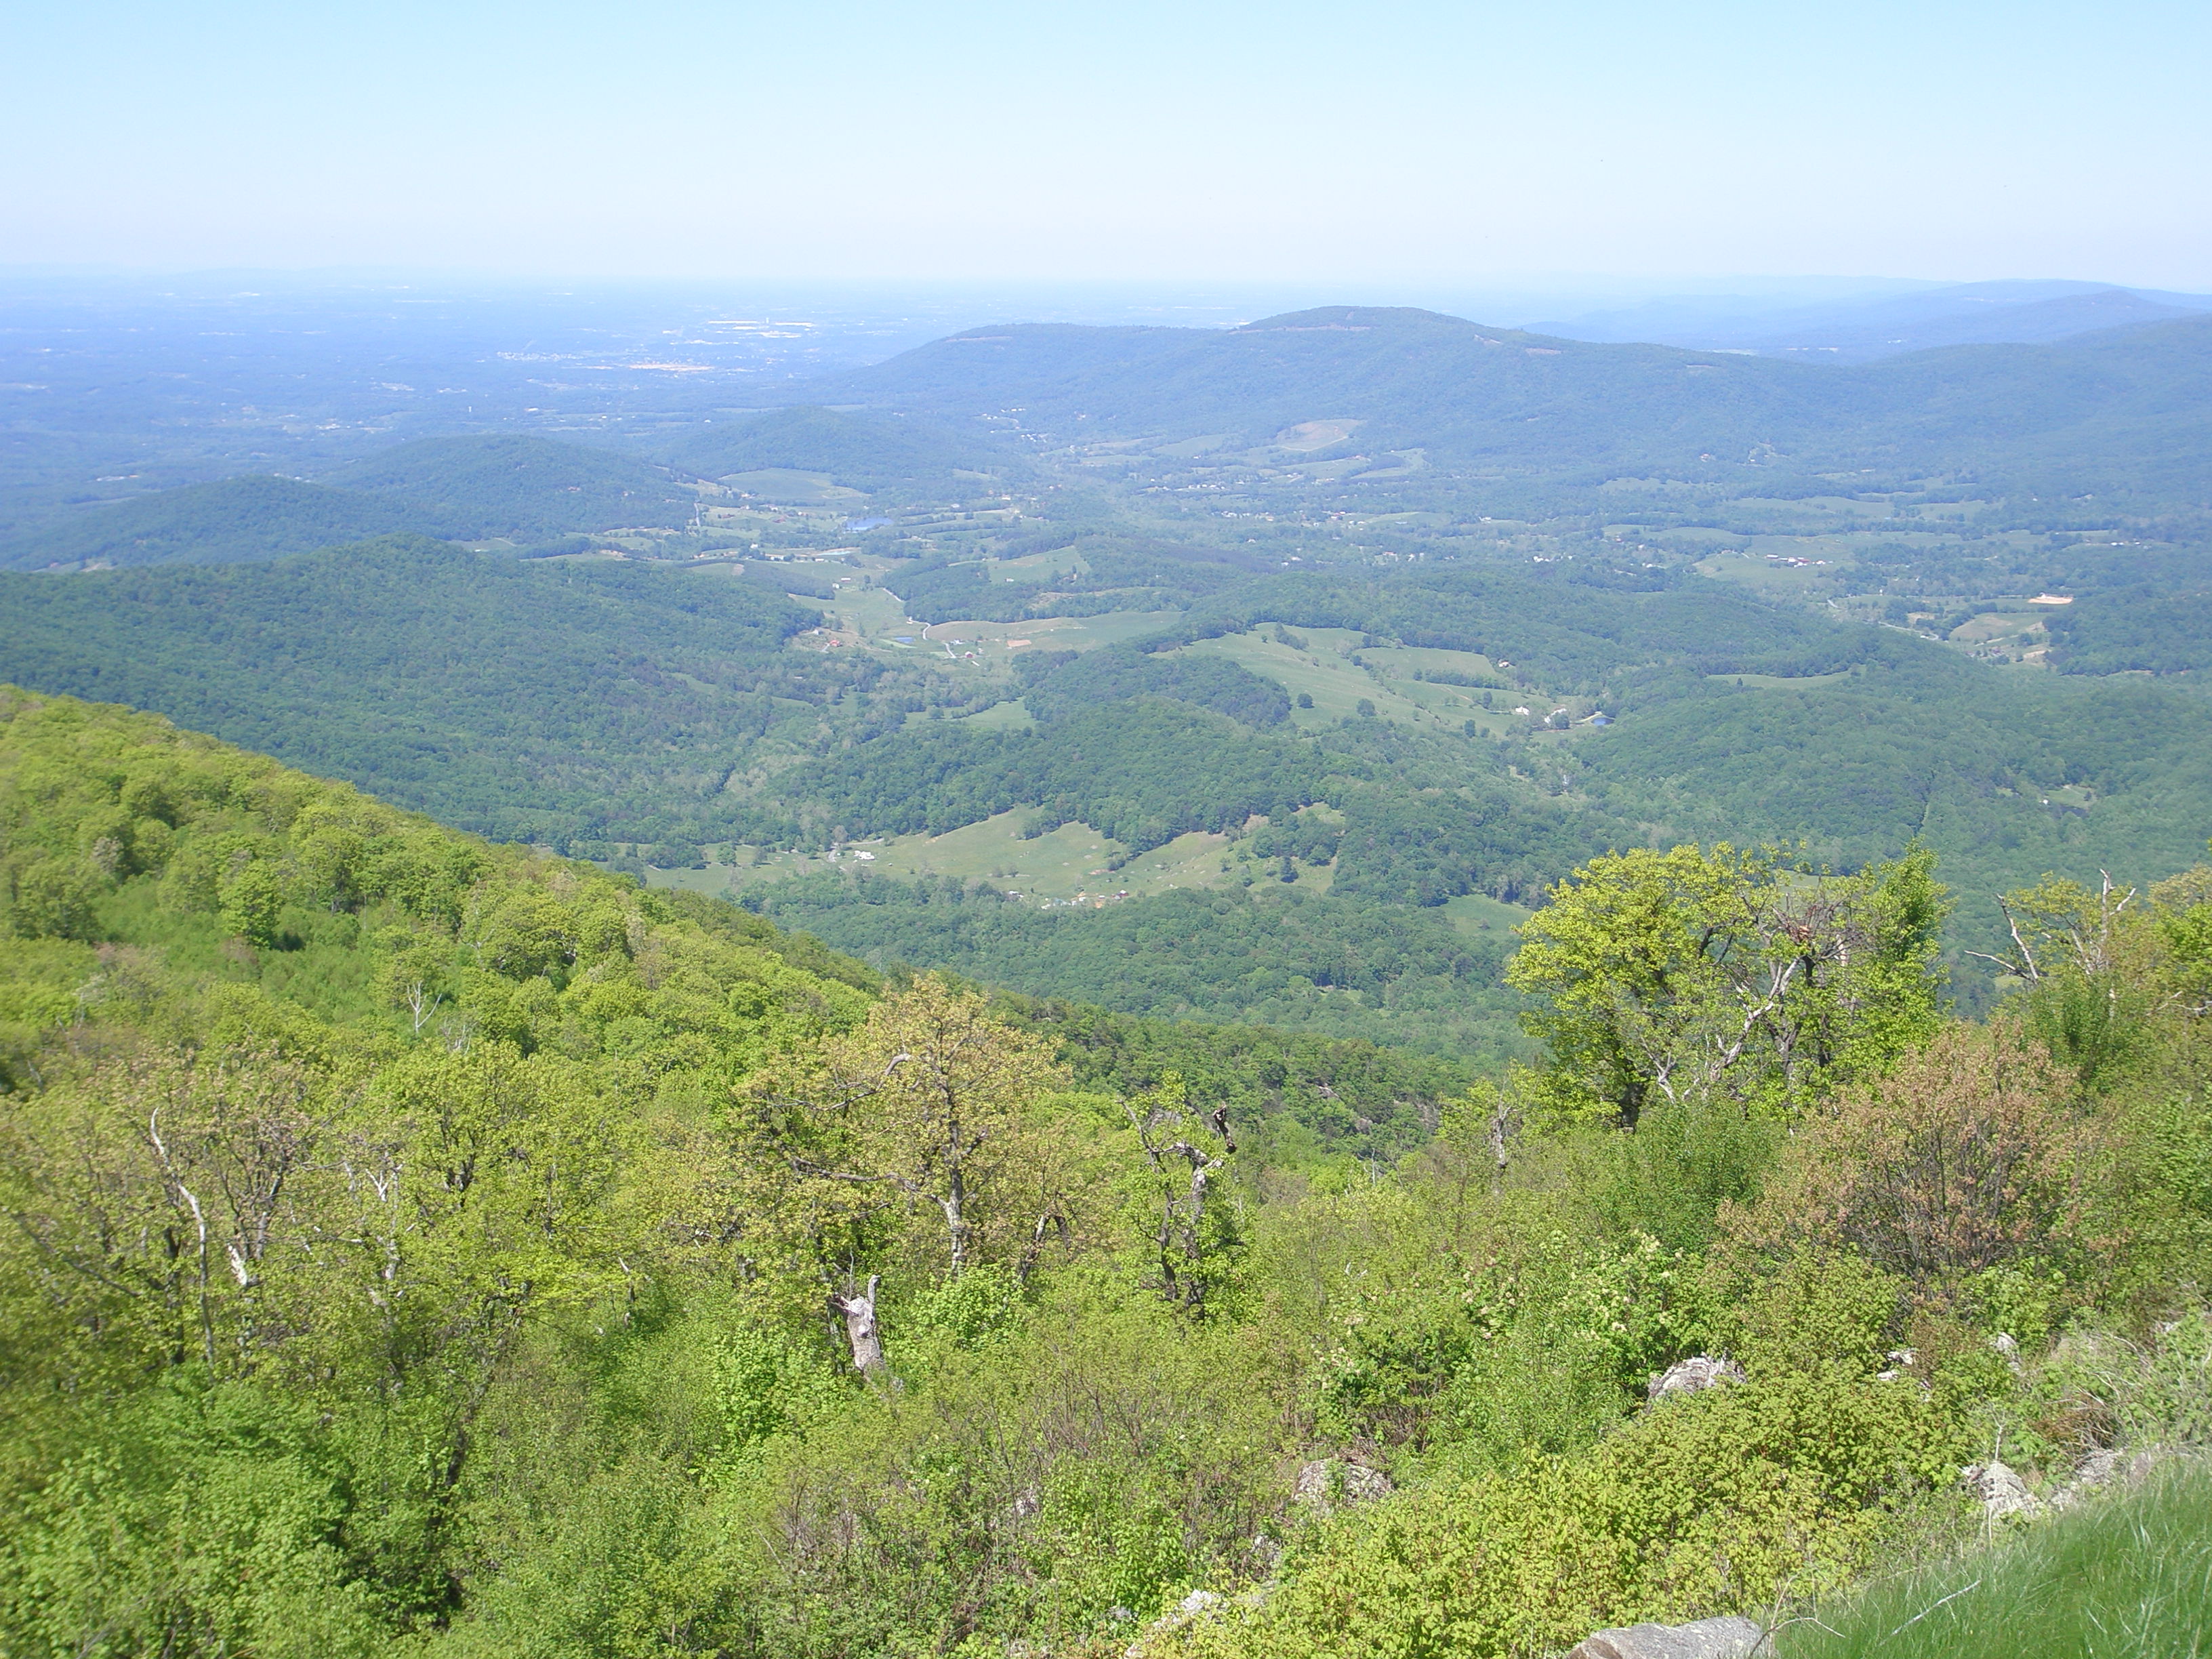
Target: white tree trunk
x: 860, y: 1330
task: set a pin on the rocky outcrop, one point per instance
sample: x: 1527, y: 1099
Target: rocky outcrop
x: 1328, y: 1481
x: 2105, y: 1466
x: 1708, y: 1638
x: 1197, y: 1606
x: 1694, y: 1375
x: 2001, y: 1492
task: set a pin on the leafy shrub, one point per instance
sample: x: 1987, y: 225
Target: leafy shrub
x: 1719, y: 1501
x: 1966, y: 1157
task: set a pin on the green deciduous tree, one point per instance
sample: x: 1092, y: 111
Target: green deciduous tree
x: 913, y: 1141
x: 1693, y: 975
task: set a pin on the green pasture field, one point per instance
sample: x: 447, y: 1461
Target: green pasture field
x: 1475, y: 914
x: 1014, y: 715
x: 1403, y: 662
x: 1842, y: 506
x: 1325, y: 672
x: 879, y: 618
x: 2000, y: 624
x: 862, y: 613
x: 1773, y: 581
x: 1309, y: 436
x: 1037, y: 568
x: 1074, y: 862
x: 1083, y: 633
x: 779, y: 484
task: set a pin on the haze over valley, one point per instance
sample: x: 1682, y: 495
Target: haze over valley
x: 1233, y: 833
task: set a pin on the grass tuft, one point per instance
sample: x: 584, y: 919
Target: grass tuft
x: 2126, y: 1577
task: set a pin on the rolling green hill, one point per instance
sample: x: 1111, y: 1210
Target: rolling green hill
x: 518, y: 486
x: 2122, y: 412
x: 233, y: 519
x: 2137, y: 629
x: 531, y: 702
x: 524, y: 489
x: 895, y: 456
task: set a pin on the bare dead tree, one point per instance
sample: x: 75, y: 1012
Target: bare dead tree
x: 1179, y: 1241
x: 422, y: 1003
x: 862, y: 1330
x: 181, y: 1192
x: 2063, y: 919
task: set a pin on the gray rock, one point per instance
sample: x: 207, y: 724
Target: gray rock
x: 2002, y: 1493
x: 1327, y: 1481
x: 1708, y: 1638
x: 1198, y: 1604
x: 2097, y: 1470
x: 1695, y: 1375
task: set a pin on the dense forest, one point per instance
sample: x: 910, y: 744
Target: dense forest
x: 1298, y: 962
x: 525, y: 489
x: 646, y: 711
x: 419, y: 1244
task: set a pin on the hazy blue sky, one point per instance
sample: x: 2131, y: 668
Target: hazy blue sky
x: 1375, y: 143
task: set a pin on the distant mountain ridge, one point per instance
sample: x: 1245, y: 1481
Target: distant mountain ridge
x: 1864, y: 329
x: 460, y: 489
x: 2128, y: 410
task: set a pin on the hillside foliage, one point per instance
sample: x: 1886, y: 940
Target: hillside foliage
x: 422, y: 1245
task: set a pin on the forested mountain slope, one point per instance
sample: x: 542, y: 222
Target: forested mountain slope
x: 894, y: 456
x: 531, y: 702
x: 518, y: 486
x: 469, y: 488
x: 237, y: 519
x: 417, y: 1246
x: 653, y: 713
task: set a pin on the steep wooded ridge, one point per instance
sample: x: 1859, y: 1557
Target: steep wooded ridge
x: 420, y: 1245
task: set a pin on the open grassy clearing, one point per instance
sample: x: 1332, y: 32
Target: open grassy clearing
x: 1325, y: 672
x: 1014, y: 715
x: 879, y: 620
x: 1309, y: 436
x: 800, y: 489
x: 1843, y: 507
x: 1037, y: 569
x: 1073, y: 864
x: 1996, y: 624
x: 1768, y: 579
x: 1186, y: 448
x: 856, y: 616
x: 1477, y: 915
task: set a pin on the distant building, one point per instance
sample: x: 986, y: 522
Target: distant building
x: 2052, y: 599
